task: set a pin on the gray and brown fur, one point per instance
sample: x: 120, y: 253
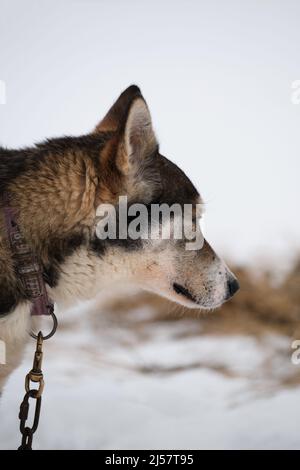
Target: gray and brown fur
x: 56, y: 187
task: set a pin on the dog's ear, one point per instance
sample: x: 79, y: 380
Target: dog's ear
x: 130, y: 119
x: 114, y: 119
x: 137, y: 138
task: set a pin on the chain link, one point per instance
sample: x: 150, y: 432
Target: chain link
x: 34, y: 376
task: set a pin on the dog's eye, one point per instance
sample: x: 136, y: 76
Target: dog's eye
x: 130, y: 218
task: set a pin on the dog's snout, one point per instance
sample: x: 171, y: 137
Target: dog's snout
x: 232, y: 287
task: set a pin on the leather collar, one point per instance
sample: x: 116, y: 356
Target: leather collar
x: 27, y: 265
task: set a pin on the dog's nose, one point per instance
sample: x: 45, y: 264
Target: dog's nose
x: 232, y: 287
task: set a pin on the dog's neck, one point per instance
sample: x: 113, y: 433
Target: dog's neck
x: 55, y: 206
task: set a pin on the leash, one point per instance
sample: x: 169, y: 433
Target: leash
x: 30, y: 272
x: 35, y: 376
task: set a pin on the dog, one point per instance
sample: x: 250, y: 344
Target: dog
x: 56, y: 188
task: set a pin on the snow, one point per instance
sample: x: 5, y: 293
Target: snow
x: 163, y: 385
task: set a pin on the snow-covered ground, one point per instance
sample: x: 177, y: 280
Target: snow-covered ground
x: 140, y: 384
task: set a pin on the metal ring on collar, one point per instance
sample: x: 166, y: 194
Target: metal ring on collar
x: 52, y: 332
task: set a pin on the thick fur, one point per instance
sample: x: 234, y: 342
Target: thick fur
x: 56, y: 188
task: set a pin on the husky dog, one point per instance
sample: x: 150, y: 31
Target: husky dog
x: 56, y: 188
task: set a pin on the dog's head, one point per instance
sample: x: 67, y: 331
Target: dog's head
x: 183, y: 268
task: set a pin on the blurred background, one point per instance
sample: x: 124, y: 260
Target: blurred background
x: 131, y: 370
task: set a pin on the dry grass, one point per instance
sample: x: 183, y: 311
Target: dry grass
x: 269, y: 313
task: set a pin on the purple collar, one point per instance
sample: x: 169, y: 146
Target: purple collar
x: 27, y: 266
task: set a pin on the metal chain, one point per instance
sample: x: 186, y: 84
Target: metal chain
x: 36, y: 376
